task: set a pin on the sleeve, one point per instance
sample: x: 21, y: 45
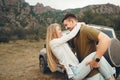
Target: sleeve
x: 91, y: 33
x: 67, y: 37
x: 69, y: 71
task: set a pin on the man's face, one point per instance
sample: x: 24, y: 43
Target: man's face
x: 68, y: 24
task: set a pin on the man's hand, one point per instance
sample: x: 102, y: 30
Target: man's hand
x: 93, y: 64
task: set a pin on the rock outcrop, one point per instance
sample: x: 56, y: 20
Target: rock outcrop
x: 40, y: 8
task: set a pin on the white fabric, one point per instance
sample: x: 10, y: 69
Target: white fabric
x: 62, y: 51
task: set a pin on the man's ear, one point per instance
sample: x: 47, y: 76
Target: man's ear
x: 71, y: 21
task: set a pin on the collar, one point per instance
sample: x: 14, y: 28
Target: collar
x: 78, y: 25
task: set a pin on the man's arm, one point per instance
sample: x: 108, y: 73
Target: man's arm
x: 103, y: 44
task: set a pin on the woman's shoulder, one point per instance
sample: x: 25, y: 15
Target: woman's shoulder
x: 53, y: 41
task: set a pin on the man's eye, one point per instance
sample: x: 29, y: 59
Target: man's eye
x: 65, y: 25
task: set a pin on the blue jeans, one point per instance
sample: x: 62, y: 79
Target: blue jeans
x: 82, y: 70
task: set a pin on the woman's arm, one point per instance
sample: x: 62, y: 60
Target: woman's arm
x: 65, y: 38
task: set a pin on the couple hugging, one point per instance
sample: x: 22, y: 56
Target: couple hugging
x: 89, y: 45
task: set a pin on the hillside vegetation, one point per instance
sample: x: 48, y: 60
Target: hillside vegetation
x: 19, y: 20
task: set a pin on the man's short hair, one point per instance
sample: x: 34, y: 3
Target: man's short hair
x: 69, y: 15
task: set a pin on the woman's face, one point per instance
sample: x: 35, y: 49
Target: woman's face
x: 58, y: 32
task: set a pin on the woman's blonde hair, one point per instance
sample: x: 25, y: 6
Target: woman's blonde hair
x: 52, y: 61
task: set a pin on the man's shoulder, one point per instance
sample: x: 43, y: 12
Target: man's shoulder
x: 83, y: 27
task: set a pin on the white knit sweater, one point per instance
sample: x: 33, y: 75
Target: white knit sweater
x: 62, y: 51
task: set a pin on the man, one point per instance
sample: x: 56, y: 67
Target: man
x: 85, y: 43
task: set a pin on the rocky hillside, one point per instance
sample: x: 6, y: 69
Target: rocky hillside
x: 19, y: 20
x: 40, y: 8
x: 102, y: 9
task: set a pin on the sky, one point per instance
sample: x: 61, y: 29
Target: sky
x: 69, y: 4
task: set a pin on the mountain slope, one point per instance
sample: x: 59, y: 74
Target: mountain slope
x: 19, y: 20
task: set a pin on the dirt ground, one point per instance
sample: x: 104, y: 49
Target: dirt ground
x: 19, y: 60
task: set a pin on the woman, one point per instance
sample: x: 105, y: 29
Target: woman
x: 58, y: 51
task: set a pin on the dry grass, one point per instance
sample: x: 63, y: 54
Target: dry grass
x: 19, y: 61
